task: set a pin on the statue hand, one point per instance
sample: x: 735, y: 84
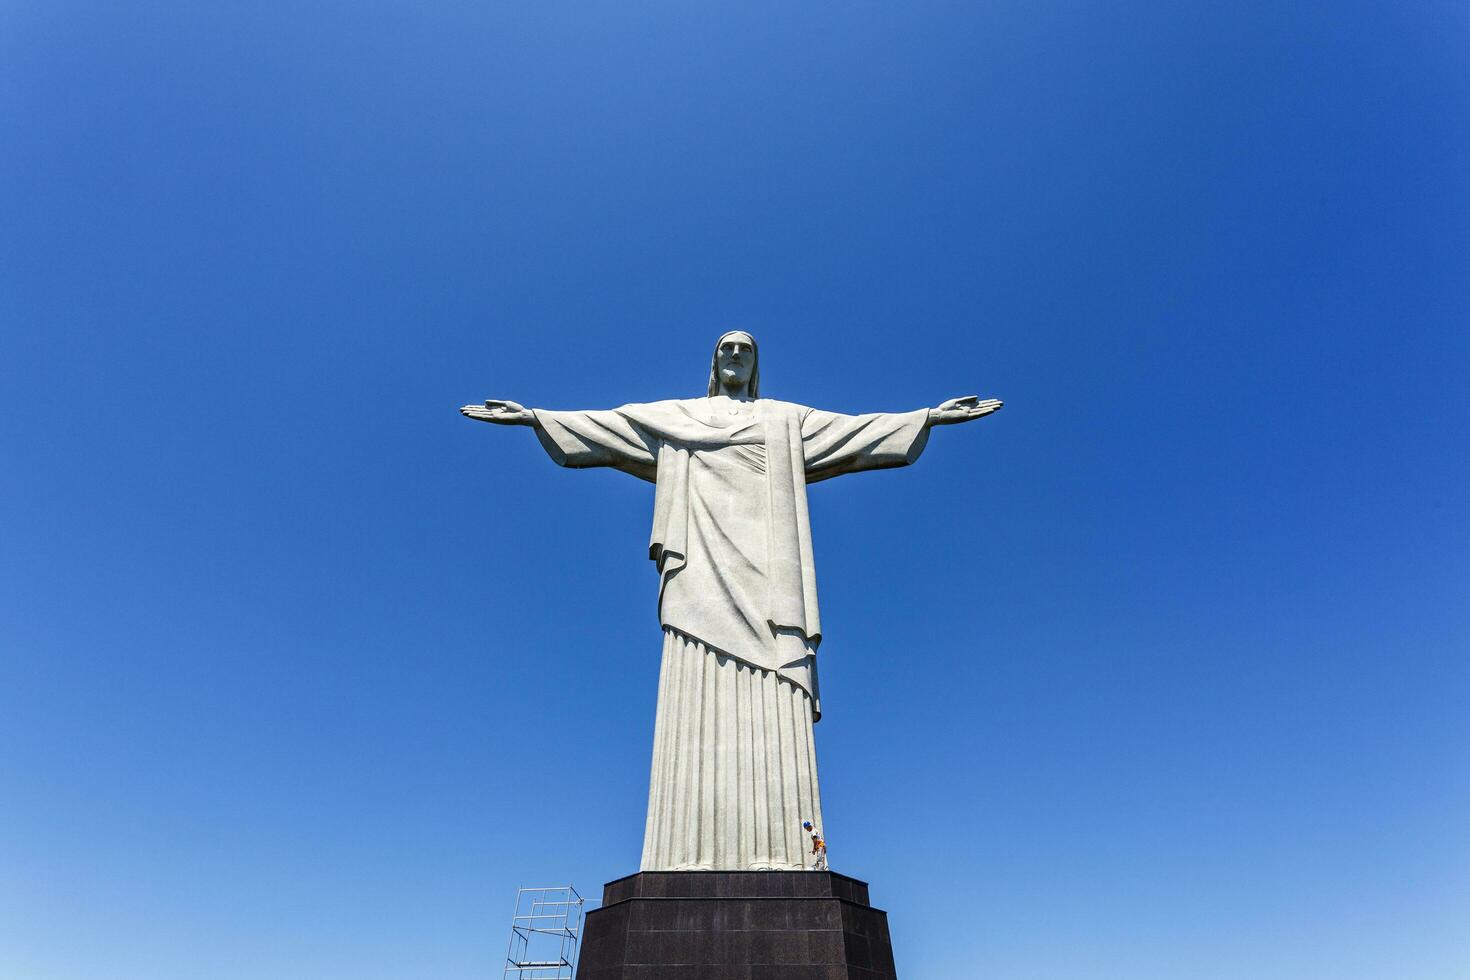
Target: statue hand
x: 963, y: 410
x: 500, y: 412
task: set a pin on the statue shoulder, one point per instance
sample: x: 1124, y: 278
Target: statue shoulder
x: 662, y: 406
x: 659, y: 416
x: 774, y: 406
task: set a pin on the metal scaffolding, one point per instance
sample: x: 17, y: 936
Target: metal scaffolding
x: 543, y: 934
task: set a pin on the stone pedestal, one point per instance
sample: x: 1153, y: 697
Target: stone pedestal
x: 736, y: 925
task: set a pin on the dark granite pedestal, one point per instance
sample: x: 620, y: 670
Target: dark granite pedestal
x: 736, y: 925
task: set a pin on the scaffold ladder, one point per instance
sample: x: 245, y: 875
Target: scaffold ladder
x: 544, y: 932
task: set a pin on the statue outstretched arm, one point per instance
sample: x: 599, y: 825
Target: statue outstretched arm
x: 835, y: 444
x: 612, y: 437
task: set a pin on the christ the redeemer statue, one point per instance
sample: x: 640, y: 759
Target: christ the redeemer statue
x: 734, y: 763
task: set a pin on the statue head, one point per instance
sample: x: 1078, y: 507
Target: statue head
x: 735, y: 365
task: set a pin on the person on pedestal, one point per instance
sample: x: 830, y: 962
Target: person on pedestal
x: 819, y: 847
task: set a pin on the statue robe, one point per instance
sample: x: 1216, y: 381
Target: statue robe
x: 734, y: 762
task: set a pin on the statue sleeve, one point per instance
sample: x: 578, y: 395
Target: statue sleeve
x: 611, y: 437
x: 834, y: 444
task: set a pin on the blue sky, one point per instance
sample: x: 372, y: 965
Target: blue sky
x: 1159, y: 673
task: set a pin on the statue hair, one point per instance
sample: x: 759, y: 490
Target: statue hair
x: 753, y: 387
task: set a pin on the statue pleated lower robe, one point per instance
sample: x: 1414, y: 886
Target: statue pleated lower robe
x: 734, y: 760
x: 734, y: 765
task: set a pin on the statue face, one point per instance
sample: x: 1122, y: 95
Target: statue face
x: 735, y: 360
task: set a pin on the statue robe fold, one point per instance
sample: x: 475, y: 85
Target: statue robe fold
x: 734, y: 763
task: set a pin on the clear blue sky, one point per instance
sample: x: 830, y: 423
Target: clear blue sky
x: 1160, y: 673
